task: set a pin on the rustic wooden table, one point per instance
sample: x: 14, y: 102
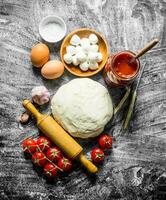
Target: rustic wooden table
x: 136, y: 168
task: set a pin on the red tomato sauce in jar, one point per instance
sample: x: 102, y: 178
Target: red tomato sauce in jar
x: 120, y: 70
x: 124, y: 67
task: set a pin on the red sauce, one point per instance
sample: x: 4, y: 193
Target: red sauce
x: 124, y: 67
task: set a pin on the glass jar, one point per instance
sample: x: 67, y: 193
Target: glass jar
x: 120, y: 70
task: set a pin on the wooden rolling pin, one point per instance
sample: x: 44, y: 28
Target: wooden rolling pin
x: 59, y: 136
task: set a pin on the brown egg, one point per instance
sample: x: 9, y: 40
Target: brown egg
x: 52, y: 69
x: 39, y: 55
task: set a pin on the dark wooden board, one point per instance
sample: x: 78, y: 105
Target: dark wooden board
x: 136, y: 167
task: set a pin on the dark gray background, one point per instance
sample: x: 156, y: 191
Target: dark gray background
x: 136, y: 168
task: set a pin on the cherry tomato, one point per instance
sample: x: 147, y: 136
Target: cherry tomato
x: 29, y: 145
x: 105, y: 141
x: 39, y: 159
x: 44, y: 143
x: 97, y: 155
x: 50, y: 170
x: 65, y: 164
x: 53, y: 154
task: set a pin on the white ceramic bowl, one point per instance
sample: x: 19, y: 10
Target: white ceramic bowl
x: 52, y: 29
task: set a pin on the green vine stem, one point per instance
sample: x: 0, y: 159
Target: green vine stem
x: 123, y: 100
x: 49, y: 159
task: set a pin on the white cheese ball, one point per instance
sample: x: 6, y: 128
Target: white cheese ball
x: 93, y: 39
x: 75, y: 40
x: 99, y: 57
x: 71, y: 49
x: 86, y: 111
x: 81, y: 56
x: 78, y: 48
x: 75, y: 61
x: 68, y: 58
x: 93, y: 65
x: 92, y: 56
x: 85, y: 42
x: 94, y: 48
x: 84, y: 66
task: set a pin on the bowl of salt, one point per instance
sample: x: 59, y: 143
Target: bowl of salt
x: 52, y: 29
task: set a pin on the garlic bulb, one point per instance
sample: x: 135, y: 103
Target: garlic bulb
x: 40, y: 95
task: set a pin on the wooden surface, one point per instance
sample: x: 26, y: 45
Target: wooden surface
x: 136, y: 167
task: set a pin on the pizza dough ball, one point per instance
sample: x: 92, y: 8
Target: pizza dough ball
x: 75, y: 60
x: 71, y: 49
x: 93, y: 39
x: 93, y: 65
x: 86, y: 111
x: 84, y: 66
x: 81, y: 56
x: 68, y: 58
x: 75, y: 40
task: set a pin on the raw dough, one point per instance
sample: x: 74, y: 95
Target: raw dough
x: 83, y: 107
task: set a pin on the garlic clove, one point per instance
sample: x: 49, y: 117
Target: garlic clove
x: 40, y: 95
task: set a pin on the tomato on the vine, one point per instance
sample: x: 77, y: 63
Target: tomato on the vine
x: 39, y: 158
x: 97, y: 155
x: 65, y: 164
x: 29, y: 145
x: 53, y: 154
x: 50, y: 170
x: 105, y: 141
x: 43, y: 143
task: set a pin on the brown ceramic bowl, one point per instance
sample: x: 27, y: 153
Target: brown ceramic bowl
x: 103, y: 48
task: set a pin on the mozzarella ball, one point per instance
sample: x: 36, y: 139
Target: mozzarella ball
x: 93, y: 65
x: 99, y: 57
x: 71, y: 49
x: 93, y: 38
x: 75, y: 61
x: 68, y: 58
x: 92, y: 56
x: 94, y: 48
x: 84, y: 66
x: 75, y: 40
x: 78, y: 48
x: 85, y: 42
x: 81, y: 56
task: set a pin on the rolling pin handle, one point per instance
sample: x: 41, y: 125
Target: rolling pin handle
x: 88, y: 164
x: 31, y: 108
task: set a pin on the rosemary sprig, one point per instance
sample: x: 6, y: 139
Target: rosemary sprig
x: 123, y: 100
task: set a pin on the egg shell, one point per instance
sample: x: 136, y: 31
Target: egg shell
x: 52, y: 69
x: 39, y: 55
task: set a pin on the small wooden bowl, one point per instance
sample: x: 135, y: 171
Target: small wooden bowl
x: 103, y: 48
